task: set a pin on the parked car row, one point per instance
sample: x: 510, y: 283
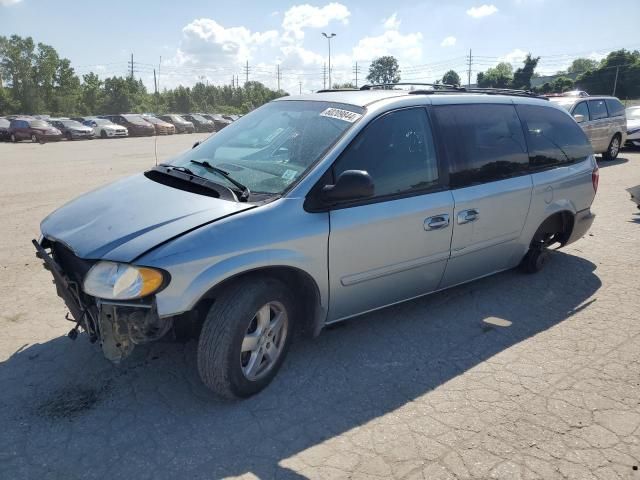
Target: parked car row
x: 43, y: 128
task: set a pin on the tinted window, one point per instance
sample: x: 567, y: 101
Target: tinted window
x: 552, y: 136
x: 483, y: 143
x: 598, y: 109
x: 615, y: 107
x: 581, y: 109
x: 397, y: 151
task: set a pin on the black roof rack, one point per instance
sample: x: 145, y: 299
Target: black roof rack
x: 325, y: 90
x: 446, y: 88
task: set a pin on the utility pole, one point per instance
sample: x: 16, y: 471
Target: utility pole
x: 324, y: 75
x: 300, y: 85
x: 159, y: 66
x: 246, y: 72
x: 469, y: 71
x: 155, y: 82
x: 329, y: 37
x: 615, y: 82
x: 356, y: 70
x: 278, y: 75
x: 131, y: 65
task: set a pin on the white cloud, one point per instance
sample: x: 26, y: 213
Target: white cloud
x: 482, y: 11
x: 514, y: 56
x: 8, y: 3
x: 392, y: 23
x: 597, y: 56
x: 407, y: 48
x: 304, y: 16
x: 206, y: 41
x: 448, y: 42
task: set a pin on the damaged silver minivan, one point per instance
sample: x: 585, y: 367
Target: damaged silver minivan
x: 317, y: 208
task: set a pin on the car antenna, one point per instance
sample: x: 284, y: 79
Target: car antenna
x: 157, y: 87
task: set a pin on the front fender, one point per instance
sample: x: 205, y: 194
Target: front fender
x: 178, y: 300
x: 281, y: 234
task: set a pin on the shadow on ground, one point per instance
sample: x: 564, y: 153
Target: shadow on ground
x: 602, y: 163
x: 67, y: 413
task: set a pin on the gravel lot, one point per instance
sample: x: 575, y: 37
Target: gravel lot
x: 508, y: 377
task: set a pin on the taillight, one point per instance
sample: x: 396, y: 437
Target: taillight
x: 595, y: 178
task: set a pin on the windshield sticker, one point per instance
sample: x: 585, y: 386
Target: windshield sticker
x: 340, y: 114
x: 289, y: 174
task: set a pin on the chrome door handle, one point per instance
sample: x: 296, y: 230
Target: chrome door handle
x: 467, y: 216
x: 436, y: 222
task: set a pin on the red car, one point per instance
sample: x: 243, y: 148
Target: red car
x: 34, y: 130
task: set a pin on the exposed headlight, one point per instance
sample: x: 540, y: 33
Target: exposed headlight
x: 121, y: 281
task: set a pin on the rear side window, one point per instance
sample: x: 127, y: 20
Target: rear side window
x: 598, y: 109
x: 397, y: 150
x: 484, y: 143
x: 554, y: 139
x: 614, y: 106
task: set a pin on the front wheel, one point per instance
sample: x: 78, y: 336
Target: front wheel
x: 245, y: 337
x: 103, y: 134
x: 613, y: 149
x: 13, y: 138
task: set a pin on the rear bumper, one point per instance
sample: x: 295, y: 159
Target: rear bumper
x: 581, y: 225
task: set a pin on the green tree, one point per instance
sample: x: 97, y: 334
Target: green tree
x: 581, y: 65
x: 561, y: 85
x: 601, y: 81
x: 451, y: 78
x: 500, y: 76
x: 522, y: 76
x: 92, y: 94
x: 343, y: 85
x: 384, y: 70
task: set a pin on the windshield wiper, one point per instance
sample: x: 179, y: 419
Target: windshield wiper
x: 188, y: 175
x: 243, y: 188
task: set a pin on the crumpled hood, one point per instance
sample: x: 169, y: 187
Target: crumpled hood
x: 123, y: 220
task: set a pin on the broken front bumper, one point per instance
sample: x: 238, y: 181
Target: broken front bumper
x: 118, y: 325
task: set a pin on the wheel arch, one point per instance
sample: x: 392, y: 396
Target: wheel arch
x: 302, y: 284
x: 560, y: 222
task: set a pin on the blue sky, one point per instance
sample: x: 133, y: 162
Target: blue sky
x: 212, y: 40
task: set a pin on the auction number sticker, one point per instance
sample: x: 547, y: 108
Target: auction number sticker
x: 341, y: 114
x: 289, y: 174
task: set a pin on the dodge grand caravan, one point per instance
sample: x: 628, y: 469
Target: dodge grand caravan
x: 314, y: 209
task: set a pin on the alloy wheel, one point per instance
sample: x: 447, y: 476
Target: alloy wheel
x: 264, y: 340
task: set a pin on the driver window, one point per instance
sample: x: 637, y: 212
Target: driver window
x: 397, y: 150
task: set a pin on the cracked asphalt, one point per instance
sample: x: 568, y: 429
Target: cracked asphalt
x: 509, y: 377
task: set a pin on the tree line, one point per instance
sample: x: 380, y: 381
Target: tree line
x: 620, y: 68
x: 34, y: 79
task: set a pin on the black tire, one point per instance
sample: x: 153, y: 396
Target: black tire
x: 535, y: 259
x: 226, y: 324
x: 69, y: 136
x: 613, y: 149
x: 103, y: 134
x: 13, y: 138
x: 34, y: 138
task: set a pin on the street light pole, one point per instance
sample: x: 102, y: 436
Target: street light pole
x: 329, y: 37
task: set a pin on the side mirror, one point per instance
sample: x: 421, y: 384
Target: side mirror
x: 579, y: 118
x: 195, y: 145
x: 351, y: 185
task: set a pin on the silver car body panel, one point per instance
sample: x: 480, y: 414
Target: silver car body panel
x: 360, y: 258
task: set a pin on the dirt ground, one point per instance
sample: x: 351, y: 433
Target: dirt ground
x: 511, y: 377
